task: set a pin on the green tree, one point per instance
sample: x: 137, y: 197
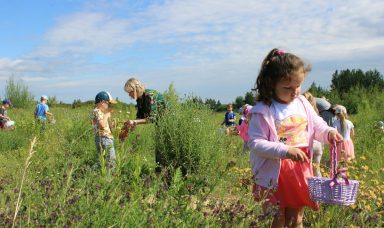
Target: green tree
x: 18, y: 93
x: 211, y: 103
x: 345, y: 80
x: 76, y: 103
x: 239, y: 102
x: 317, y: 91
x: 249, y: 98
x: 52, y: 101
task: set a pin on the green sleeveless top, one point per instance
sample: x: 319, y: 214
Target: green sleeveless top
x: 150, y: 106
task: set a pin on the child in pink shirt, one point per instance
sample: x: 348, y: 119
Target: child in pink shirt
x: 243, y: 127
x: 281, y: 131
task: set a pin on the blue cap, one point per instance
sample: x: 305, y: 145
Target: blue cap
x: 104, y: 96
x: 7, y: 101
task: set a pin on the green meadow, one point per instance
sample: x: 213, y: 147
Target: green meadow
x: 48, y: 177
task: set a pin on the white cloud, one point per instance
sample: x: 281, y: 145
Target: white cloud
x: 233, y: 29
x: 211, y: 41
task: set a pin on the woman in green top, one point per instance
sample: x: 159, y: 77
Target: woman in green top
x: 150, y: 103
x: 150, y: 107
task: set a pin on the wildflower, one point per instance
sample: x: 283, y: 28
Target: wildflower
x: 150, y: 200
x: 372, y: 194
x: 365, y: 168
x: 193, y: 203
x: 363, y: 158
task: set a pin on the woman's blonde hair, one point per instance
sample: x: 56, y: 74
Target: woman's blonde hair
x: 135, y: 86
x: 311, y: 100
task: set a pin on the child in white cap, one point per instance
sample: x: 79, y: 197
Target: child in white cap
x: 42, y: 109
x: 346, y: 128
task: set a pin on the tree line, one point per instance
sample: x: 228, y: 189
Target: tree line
x: 343, y: 82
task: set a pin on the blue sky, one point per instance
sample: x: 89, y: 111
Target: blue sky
x: 211, y: 48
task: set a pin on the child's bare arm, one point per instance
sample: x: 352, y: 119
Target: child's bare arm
x: 103, y: 123
x: 352, y: 133
x: 4, y: 117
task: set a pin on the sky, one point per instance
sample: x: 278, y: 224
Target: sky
x: 73, y: 49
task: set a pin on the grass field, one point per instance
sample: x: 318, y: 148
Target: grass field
x: 55, y: 183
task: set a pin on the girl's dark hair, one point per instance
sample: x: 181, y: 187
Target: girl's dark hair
x: 276, y: 66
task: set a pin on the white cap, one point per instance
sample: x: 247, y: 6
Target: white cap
x: 340, y: 109
x: 45, y: 97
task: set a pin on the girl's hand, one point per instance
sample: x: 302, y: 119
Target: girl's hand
x: 334, y: 135
x: 296, y: 154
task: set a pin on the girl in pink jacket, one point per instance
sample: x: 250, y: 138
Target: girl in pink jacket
x: 243, y: 127
x: 282, y: 128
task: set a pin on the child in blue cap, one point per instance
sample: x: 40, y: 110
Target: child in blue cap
x: 100, y: 116
x: 5, y: 122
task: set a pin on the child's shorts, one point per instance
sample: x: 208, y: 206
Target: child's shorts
x: 106, y: 144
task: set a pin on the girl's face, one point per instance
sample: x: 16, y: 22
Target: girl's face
x: 286, y: 90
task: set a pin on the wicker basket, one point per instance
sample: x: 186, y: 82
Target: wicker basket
x: 333, y: 190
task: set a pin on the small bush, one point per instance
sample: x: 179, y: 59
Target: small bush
x: 185, y: 137
x: 18, y: 93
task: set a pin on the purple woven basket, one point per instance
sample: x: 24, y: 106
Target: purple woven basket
x: 333, y: 190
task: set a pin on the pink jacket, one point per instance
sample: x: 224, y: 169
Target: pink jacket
x: 266, y: 150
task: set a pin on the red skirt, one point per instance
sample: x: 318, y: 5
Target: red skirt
x: 292, y: 189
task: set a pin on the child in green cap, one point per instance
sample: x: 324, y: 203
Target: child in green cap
x: 100, y: 123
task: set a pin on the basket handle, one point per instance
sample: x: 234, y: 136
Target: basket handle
x: 333, y: 159
x: 334, y: 172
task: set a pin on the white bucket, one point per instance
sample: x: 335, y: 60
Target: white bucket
x: 9, y: 124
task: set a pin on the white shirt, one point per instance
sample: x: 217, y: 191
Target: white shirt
x: 291, y: 123
x: 348, y: 127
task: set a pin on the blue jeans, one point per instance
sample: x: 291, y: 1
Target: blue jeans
x: 106, y: 144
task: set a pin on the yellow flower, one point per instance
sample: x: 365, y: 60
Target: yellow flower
x: 365, y: 168
x: 363, y: 158
x: 372, y: 194
x: 368, y: 208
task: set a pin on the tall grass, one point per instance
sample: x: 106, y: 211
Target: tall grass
x: 26, y: 165
x: 62, y: 188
